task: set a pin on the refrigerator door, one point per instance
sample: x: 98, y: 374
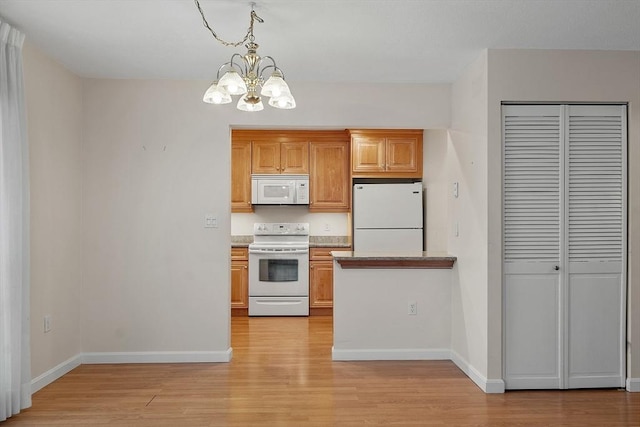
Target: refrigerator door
x: 387, y: 205
x: 377, y: 240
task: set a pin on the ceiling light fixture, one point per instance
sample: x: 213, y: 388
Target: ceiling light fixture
x: 244, y: 75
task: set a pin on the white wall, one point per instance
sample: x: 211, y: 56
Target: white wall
x: 467, y: 165
x: 156, y: 161
x: 437, y: 190
x: 561, y: 76
x: 54, y: 129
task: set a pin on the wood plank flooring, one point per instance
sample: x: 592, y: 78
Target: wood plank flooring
x: 282, y: 375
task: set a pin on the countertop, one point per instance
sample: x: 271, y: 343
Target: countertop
x: 329, y: 242
x: 399, y: 259
x: 242, y: 241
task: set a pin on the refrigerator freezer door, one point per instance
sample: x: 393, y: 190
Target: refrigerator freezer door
x: 404, y: 239
x: 387, y: 206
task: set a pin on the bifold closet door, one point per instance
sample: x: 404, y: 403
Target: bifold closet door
x: 595, y: 164
x: 532, y: 229
x: 564, y: 245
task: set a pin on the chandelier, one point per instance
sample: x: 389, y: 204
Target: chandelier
x: 244, y: 75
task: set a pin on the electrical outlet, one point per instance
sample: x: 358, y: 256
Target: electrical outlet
x: 413, y: 308
x: 47, y: 323
x: 327, y: 227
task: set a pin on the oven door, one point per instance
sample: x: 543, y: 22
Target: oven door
x: 278, y: 273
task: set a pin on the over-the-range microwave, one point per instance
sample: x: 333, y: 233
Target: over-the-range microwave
x: 280, y: 189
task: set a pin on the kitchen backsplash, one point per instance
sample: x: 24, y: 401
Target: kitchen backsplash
x: 320, y: 224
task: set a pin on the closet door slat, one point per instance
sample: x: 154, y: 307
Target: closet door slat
x: 595, y: 183
x: 531, y: 186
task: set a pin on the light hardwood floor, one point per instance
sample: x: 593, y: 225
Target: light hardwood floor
x: 282, y: 375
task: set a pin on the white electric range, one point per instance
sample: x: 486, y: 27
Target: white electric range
x: 279, y: 270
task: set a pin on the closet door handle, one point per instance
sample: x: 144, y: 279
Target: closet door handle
x: 557, y: 267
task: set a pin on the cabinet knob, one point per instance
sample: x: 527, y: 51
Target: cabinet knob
x: 557, y: 267
x: 245, y: 267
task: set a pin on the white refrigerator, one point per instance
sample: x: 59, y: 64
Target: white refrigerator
x: 388, y: 217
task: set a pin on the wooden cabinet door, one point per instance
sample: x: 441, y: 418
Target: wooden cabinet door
x: 241, y: 177
x: 386, y: 153
x: 368, y: 154
x: 265, y: 157
x: 239, y: 284
x: 321, y: 284
x: 294, y: 158
x: 321, y: 277
x: 239, y: 278
x: 329, y: 179
x: 402, y: 154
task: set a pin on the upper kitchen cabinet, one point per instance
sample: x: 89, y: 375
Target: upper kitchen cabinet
x: 377, y: 153
x: 280, y: 157
x: 329, y: 179
x: 241, y: 176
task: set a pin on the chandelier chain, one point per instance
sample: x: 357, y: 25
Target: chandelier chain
x: 248, y: 36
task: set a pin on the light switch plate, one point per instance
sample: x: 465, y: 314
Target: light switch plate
x: 210, y: 221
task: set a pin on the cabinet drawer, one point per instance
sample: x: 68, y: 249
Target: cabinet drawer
x: 239, y: 254
x: 324, y: 254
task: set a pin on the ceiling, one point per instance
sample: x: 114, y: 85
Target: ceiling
x: 410, y: 41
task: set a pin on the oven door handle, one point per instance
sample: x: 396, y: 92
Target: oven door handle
x: 272, y: 252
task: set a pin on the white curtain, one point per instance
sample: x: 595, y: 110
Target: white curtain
x: 15, y: 358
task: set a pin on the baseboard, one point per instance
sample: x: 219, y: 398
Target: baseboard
x: 390, y: 354
x: 486, y: 385
x: 157, y: 357
x: 54, y: 373
x: 633, y: 385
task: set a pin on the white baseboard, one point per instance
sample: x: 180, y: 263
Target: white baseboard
x: 633, y: 385
x: 128, y: 357
x: 157, y: 357
x: 390, y: 354
x: 486, y: 385
x: 54, y: 373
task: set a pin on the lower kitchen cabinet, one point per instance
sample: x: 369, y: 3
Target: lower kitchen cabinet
x: 321, y: 280
x: 239, y: 281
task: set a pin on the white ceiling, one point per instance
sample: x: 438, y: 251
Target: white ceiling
x: 314, y: 40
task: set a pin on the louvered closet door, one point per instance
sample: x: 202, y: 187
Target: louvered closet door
x: 564, y: 231
x: 596, y: 236
x: 532, y: 230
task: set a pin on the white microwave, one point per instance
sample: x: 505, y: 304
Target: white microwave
x: 280, y: 189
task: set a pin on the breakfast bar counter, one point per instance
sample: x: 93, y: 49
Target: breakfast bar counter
x: 404, y: 259
x: 392, y: 305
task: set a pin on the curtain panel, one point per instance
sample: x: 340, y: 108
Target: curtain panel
x: 15, y: 360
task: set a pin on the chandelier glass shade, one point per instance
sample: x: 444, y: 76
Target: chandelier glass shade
x: 249, y: 76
